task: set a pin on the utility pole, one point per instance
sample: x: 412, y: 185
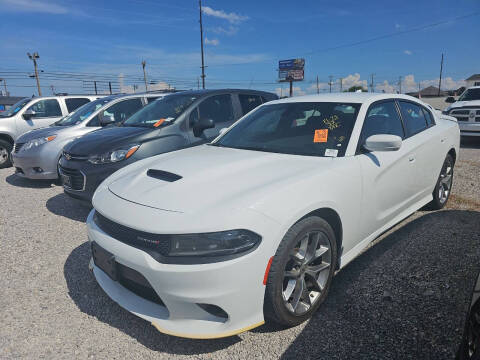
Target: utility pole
x: 341, y: 84
x: 34, y: 58
x: 318, y: 89
x: 201, y: 45
x: 419, y: 89
x: 400, y: 84
x: 144, y: 75
x: 53, y: 89
x: 198, y: 83
x: 110, y: 87
x: 291, y: 88
x: 95, y: 86
x: 330, y: 82
x: 371, y: 82
x: 440, y: 79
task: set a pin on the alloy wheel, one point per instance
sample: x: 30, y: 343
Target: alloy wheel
x: 306, y: 272
x: 445, y: 185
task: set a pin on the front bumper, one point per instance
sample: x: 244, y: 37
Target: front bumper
x: 235, y: 286
x: 87, y: 176
x: 38, y: 163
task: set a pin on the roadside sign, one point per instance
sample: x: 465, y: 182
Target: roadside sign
x: 291, y: 70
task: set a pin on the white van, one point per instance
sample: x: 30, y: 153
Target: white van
x: 34, y: 113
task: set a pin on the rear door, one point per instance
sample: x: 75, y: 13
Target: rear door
x: 387, y: 175
x: 47, y: 111
x: 424, y: 138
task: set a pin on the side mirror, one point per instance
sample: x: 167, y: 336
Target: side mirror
x: 450, y: 99
x: 383, y: 142
x: 201, y: 125
x: 106, y: 119
x: 223, y: 130
x: 28, y: 114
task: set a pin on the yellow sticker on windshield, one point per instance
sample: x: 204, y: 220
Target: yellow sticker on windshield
x: 332, y: 122
x: 321, y: 136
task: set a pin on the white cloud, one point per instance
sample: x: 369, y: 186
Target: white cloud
x: 231, y: 30
x: 230, y: 17
x: 410, y: 85
x: 353, y: 80
x: 213, y: 42
x: 32, y: 6
x: 397, y: 26
x: 408, y: 52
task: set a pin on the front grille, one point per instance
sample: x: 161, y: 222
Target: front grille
x: 17, y: 147
x: 74, y: 157
x: 154, y: 244
x: 76, y: 178
x: 136, y: 283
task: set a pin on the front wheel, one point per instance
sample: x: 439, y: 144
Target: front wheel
x: 5, y: 150
x: 301, y: 272
x: 443, y: 188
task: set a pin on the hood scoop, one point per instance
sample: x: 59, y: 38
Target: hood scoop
x: 163, y: 175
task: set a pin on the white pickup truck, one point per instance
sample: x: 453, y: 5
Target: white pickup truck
x: 466, y: 110
x: 33, y: 113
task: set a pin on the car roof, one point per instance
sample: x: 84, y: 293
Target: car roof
x: 344, y: 97
x: 204, y: 92
x: 473, y: 87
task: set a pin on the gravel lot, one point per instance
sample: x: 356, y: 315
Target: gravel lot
x: 406, y: 296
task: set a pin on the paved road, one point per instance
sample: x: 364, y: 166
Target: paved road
x: 404, y: 297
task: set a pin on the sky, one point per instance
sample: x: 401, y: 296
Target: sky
x: 106, y: 41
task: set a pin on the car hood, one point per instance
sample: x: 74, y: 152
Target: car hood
x: 460, y: 104
x: 211, y: 177
x: 41, y: 133
x: 107, y: 139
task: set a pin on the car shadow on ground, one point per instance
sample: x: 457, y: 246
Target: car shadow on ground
x: 470, y: 142
x: 408, y: 294
x: 91, y: 299
x: 63, y: 205
x: 405, y: 297
x: 19, y: 181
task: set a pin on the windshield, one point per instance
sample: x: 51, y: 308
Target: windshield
x: 82, y: 112
x: 315, y: 129
x: 162, y: 111
x: 470, y: 94
x: 15, y: 108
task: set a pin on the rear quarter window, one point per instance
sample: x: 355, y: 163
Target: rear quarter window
x: 75, y: 103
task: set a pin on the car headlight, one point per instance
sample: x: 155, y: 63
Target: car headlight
x: 114, y: 155
x: 213, y: 244
x: 37, y: 142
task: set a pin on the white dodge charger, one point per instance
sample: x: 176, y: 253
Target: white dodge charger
x: 209, y: 241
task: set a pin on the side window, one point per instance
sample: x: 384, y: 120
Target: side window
x: 75, y: 103
x: 218, y: 108
x: 46, y: 108
x: 428, y: 117
x: 382, y: 118
x: 151, y: 99
x: 413, y: 116
x: 249, y: 102
x: 120, y: 111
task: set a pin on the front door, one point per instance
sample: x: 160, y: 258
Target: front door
x: 47, y: 111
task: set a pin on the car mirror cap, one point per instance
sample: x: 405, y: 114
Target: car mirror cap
x: 383, y: 142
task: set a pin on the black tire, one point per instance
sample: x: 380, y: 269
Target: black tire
x: 5, y: 150
x: 438, y: 201
x: 275, y: 307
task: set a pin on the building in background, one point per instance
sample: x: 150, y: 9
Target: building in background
x: 473, y: 80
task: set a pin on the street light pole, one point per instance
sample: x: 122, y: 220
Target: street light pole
x: 34, y: 58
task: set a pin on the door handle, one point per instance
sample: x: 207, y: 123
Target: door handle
x: 443, y: 140
x: 411, y: 159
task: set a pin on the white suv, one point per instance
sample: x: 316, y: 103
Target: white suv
x: 467, y: 111
x: 33, y: 113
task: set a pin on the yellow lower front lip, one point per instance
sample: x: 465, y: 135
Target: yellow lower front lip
x: 213, y: 336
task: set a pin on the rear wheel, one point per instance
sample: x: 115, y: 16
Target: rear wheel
x: 442, y: 190
x: 5, y: 150
x: 301, y: 272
